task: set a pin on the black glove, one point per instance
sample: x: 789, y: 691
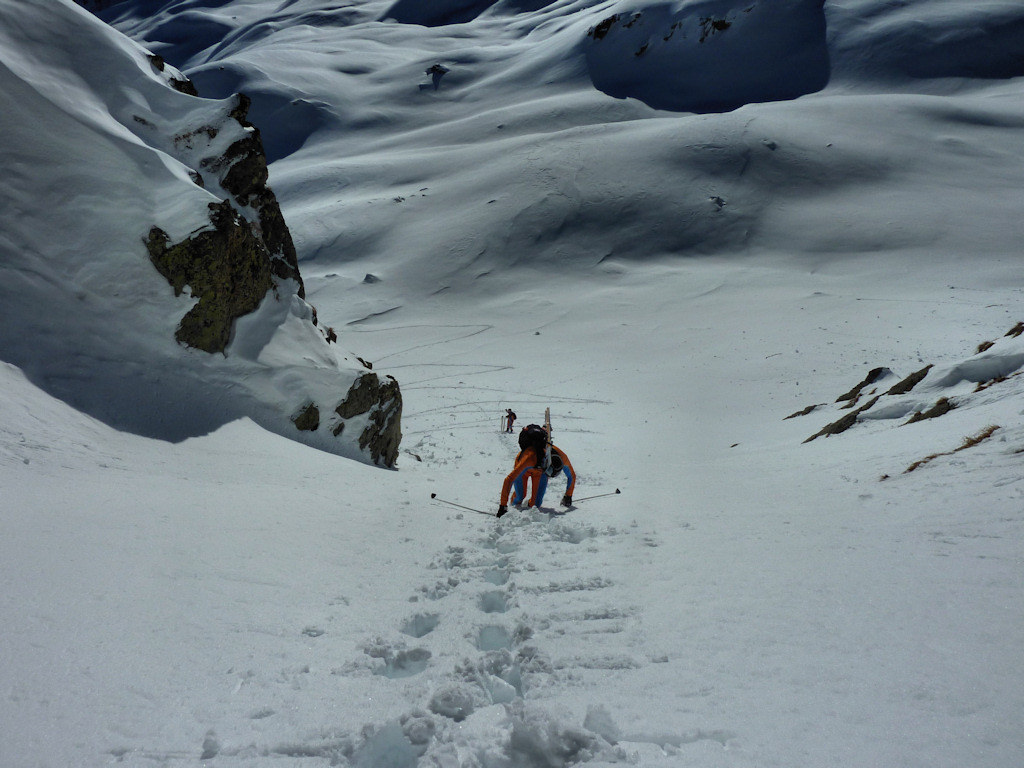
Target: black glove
x: 567, y: 500
x: 502, y: 510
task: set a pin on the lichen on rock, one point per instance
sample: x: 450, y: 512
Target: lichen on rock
x: 227, y: 268
x: 382, y: 403
x: 245, y: 177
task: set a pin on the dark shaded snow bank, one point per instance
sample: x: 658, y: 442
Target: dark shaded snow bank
x: 710, y: 56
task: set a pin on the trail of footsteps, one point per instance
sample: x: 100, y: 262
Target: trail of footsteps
x: 513, y: 619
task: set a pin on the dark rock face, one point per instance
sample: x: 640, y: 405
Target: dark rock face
x: 227, y: 269
x: 308, y: 419
x: 244, y: 175
x: 247, y: 252
x: 231, y: 267
x: 910, y: 382
x: 185, y: 85
x: 383, y: 403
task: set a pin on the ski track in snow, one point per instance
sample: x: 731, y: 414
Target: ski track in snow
x: 482, y: 638
x: 483, y: 645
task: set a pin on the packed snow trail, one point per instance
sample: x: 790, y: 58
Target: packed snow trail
x: 485, y: 645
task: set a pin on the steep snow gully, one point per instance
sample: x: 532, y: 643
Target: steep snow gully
x: 502, y: 591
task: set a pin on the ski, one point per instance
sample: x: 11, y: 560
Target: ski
x: 547, y: 430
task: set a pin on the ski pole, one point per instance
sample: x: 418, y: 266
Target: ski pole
x: 600, y: 495
x: 468, y: 509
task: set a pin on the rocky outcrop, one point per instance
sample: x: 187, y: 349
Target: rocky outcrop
x: 245, y: 177
x: 226, y: 268
x: 246, y: 252
x: 182, y: 85
x: 231, y: 266
x: 909, y: 401
x: 308, y: 419
x: 382, y: 403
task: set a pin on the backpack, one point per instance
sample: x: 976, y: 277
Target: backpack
x: 534, y: 436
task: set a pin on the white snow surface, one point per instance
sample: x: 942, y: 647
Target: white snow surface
x: 186, y: 587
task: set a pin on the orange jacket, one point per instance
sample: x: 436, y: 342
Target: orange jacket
x: 525, y: 461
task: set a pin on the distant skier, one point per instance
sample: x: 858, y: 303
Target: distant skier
x: 531, y: 464
x: 510, y: 418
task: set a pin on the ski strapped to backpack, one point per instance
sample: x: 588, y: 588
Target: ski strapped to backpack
x: 547, y: 448
x: 539, y: 439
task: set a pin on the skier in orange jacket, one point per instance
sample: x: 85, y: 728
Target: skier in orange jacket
x: 559, y: 465
x: 531, y: 465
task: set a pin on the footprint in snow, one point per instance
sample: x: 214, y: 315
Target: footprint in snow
x: 420, y: 625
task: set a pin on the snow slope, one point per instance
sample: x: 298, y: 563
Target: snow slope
x: 672, y: 285
x: 99, y: 149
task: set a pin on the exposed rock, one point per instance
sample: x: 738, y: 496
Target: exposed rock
x: 231, y: 268
x: 436, y: 72
x: 247, y: 252
x: 910, y: 382
x: 599, y: 31
x: 854, y: 394
x: 226, y: 268
x: 804, y: 412
x: 245, y: 177
x: 362, y: 395
x: 308, y: 419
x: 842, y: 424
x: 942, y: 406
x: 183, y: 85
x: 710, y: 26
x: 382, y: 402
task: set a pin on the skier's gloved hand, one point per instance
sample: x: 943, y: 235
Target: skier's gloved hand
x: 502, y: 510
x: 567, y: 500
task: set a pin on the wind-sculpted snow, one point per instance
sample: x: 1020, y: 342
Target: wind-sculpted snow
x: 436, y: 13
x: 539, y: 144
x: 937, y: 39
